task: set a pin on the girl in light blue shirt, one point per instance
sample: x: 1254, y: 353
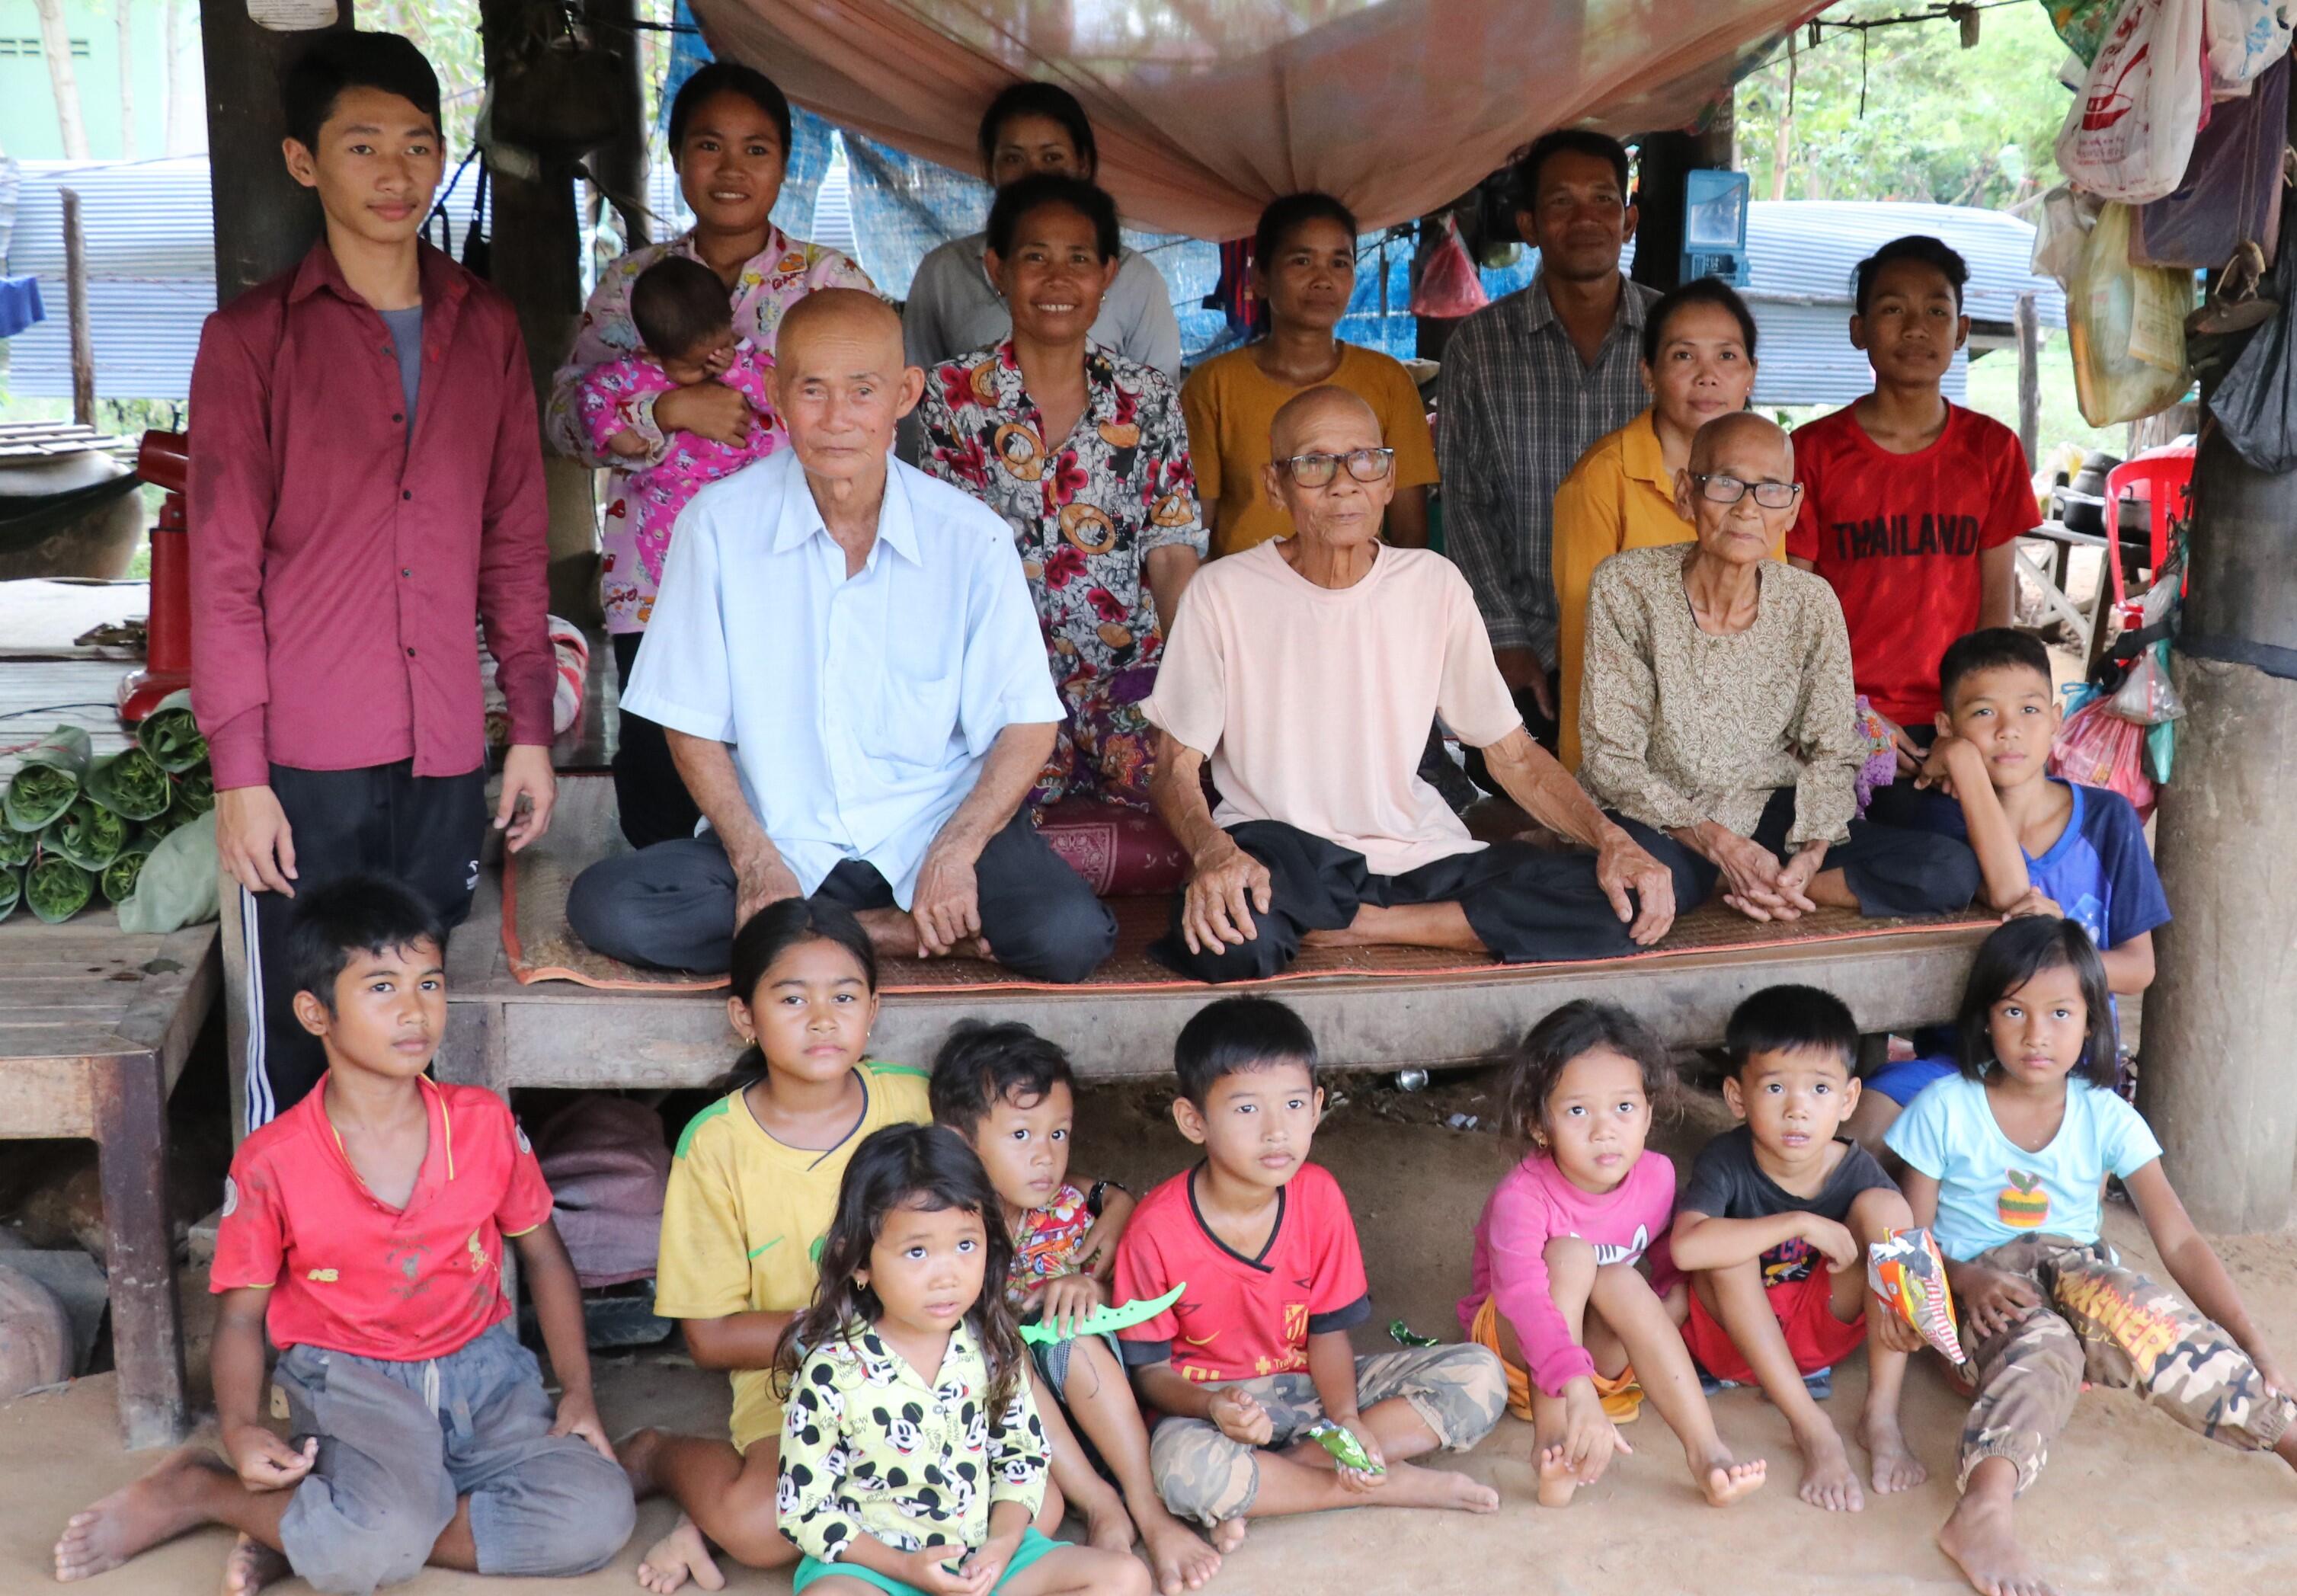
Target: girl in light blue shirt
x: 2006, y: 1162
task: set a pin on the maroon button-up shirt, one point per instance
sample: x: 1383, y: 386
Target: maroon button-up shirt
x: 337, y: 565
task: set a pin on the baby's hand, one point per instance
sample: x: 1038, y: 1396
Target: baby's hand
x: 1066, y: 1300
x: 1239, y: 1417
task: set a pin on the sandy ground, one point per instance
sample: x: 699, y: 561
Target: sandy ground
x: 2129, y: 1503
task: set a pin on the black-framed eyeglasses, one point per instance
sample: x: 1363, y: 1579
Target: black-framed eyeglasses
x: 1729, y: 490
x: 1364, y: 464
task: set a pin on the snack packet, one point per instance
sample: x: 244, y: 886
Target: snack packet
x: 1908, y: 1271
x: 1341, y: 1443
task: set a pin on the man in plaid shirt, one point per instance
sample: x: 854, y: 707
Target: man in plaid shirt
x: 1529, y: 384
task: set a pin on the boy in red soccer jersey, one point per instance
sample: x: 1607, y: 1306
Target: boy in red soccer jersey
x: 1256, y: 1350
x: 364, y: 1228
x: 1911, y: 506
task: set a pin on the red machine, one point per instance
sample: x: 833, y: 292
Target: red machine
x: 163, y: 461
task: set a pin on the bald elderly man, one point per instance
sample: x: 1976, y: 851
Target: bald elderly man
x: 1307, y: 671
x: 848, y: 665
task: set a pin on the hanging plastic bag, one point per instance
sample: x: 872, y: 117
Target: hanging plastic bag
x: 2097, y: 748
x: 1449, y: 285
x: 2129, y: 132
x: 2061, y: 228
x: 2255, y: 402
x: 2161, y: 752
x: 2081, y: 24
x: 2147, y: 696
x: 2231, y: 192
x: 2244, y: 38
x: 2126, y: 328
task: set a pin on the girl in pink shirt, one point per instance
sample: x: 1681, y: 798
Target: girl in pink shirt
x: 1572, y: 1285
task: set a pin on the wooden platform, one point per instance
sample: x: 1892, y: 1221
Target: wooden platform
x: 504, y: 1034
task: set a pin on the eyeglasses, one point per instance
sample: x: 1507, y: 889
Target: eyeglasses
x: 1364, y: 464
x: 1730, y: 490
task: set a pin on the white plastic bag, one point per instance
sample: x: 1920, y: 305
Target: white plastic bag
x: 2129, y: 133
x: 2127, y: 326
x: 2244, y: 38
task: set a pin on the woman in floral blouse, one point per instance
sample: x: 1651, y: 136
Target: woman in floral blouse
x: 1086, y: 454
x: 729, y: 136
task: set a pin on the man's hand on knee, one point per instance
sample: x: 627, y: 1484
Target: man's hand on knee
x: 761, y: 879
x: 1226, y: 887
x: 947, y: 904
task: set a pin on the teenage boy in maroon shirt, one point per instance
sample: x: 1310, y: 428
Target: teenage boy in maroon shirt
x: 366, y: 481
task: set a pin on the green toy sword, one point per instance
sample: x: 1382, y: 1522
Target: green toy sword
x: 1103, y: 1321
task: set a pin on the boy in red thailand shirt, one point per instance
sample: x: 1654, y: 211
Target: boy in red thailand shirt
x: 366, y: 478
x: 1256, y: 1351
x: 1912, y: 504
x: 364, y: 1229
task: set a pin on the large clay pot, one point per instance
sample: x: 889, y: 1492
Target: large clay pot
x: 100, y: 544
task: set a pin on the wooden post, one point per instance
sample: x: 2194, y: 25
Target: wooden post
x: 264, y: 219
x: 147, y: 1333
x: 83, y: 348
x: 621, y: 167
x: 2028, y: 321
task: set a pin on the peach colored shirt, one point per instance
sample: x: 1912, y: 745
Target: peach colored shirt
x: 1313, y: 704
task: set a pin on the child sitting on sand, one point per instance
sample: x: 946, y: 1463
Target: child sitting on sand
x: 1558, y: 1289
x: 364, y: 1229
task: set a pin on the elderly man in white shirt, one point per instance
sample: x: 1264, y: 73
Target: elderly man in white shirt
x: 845, y: 657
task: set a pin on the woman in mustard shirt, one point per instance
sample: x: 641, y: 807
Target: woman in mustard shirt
x: 1699, y: 363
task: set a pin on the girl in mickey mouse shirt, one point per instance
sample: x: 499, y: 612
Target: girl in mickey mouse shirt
x: 912, y: 1460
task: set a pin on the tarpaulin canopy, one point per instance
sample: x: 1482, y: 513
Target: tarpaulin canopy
x: 1205, y: 110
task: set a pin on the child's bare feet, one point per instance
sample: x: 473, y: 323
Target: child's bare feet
x: 1557, y: 1484
x: 1107, y: 1526
x: 1409, y: 1486
x: 1723, y: 1481
x: 160, y: 1506
x: 680, y: 1556
x: 1828, y: 1479
x: 1228, y: 1534
x: 1179, y: 1555
x: 1983, y: 1542
x: 1895, y: 1466
x: 251, y: 1567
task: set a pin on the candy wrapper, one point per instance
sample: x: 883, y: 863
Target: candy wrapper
x: 1342, y: 1444
x: 1908, y: 1271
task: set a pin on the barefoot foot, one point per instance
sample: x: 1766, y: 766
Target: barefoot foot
x: 1557, y: 1484
x: 1228, y: 1534
x: 251, y: 1567
x: 680, y: 1556
x: 1895, y: 1466
x: 1107, y: 1526
x: 1983, y: 1542
x: 1723, y: 1481
x: 1409, y: 1486
x: 165, y: 1503
x: 1181, y: 1560
x: 1828, y: 1479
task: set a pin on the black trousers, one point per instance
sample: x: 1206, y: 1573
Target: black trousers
x: 424, y: 830
x: 650, y: 796
x: 1890, y: 870
x: 1902, y: 803
x: 671, y: 905
x: 1541, y: 725
x: 1527, y: 904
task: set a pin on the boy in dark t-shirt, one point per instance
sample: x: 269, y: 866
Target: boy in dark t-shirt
x: 1769, y: 1202
x: 1912, y: 504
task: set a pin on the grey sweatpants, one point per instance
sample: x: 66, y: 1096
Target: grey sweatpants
x: 400, y: 1441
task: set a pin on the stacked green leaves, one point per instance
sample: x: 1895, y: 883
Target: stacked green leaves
x: 72, y: 826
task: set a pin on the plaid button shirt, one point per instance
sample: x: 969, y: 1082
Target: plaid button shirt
x: 1519, y: 408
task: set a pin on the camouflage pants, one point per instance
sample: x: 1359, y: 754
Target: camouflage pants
x: 2100, y: 1322
x: 1458, y: 1392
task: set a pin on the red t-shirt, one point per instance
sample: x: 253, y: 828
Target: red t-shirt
x: 350, y: 1274
x: 1899, y: 536
x: 1242, y: 1317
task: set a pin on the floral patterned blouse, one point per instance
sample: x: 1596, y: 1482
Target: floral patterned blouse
x: 1085, y: 513
x: 772, y: 281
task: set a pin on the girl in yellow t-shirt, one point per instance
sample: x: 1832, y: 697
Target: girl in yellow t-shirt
x: 753, y: 1188
x: 1303, y: 268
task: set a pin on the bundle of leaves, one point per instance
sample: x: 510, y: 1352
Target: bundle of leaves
x: 17, y: 847
x: 87, y: 834
x: 196, y: 790
x: 170, y: 735
x: 12, y: 889
x: 57, y: 889
x: 131, y: 784
x: 120, y: 875
x: 48, y: 780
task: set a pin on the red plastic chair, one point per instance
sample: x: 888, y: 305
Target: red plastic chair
x: 2163, y: 478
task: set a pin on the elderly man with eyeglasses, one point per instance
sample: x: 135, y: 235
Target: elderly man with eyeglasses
x: 1307, y: 671
x: 1716, y: 719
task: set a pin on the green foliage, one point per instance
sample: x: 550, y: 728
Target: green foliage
x: 1941, y: 123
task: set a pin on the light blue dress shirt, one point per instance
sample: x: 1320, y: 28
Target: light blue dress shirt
x: 859, y: 709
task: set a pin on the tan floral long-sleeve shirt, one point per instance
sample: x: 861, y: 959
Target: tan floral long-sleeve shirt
x: 1678, y: 725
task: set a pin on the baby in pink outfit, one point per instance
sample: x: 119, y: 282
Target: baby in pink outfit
x: 681, y: 312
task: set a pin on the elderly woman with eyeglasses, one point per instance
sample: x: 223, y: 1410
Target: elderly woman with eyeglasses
x: 1307, y: 669
x: 1716, y: 721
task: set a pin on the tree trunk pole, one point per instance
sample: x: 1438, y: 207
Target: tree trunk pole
x: 621, y: 167
x: 265, y: 221
x: 2027, y: 318
x: 63, y: 79
x: 83, y: 349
